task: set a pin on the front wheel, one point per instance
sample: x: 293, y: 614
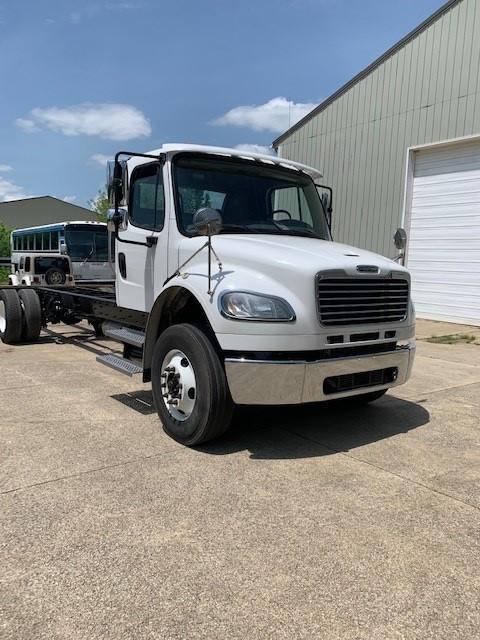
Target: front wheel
x: 189, y: 386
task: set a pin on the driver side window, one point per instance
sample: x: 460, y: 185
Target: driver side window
x: 147, y: 207
x: 289, y: 203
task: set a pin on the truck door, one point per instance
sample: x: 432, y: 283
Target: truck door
x: 141, y: 269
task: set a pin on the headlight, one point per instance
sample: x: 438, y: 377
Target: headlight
x: 241, y: 305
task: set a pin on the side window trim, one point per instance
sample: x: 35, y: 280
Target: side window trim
x: 159, y: 182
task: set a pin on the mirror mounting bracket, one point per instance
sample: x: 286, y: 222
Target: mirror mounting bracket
x: 208, y: 222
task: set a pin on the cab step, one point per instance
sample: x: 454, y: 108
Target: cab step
x: 122, y: 365
x: 118, y: 332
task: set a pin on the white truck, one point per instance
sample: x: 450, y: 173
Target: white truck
x: 230, y: 291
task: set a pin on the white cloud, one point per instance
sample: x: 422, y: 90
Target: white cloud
x: 27, y: 125
x: 101, y: 159
x: 255, y: 148
x: 110, y: 121
x: 5, y: 168
x: 11, y: 191
x: 278, y: 114
x: 69, y: 198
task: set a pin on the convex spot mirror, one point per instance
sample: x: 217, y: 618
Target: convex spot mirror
x: 207, y: 222
x: 400, y: 239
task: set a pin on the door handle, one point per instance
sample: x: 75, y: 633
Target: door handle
x: 122, y: 265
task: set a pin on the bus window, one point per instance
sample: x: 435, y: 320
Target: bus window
x: 31, y: 242
x: 101, y: 247
x: 46, y: 241
x: 54, y: 241
x: 38, y: 242
x: 87, y: 244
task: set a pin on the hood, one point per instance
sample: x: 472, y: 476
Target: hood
x: 293, y: 253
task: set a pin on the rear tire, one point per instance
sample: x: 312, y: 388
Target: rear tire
x: 11, y: 320
x: 55, y: 276
x: 186, y: 364
x: 32, y: 314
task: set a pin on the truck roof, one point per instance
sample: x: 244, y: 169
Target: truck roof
x: 173, y: 148
x: 54, y: 226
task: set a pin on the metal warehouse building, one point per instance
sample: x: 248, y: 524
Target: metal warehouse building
x: 400, y: 145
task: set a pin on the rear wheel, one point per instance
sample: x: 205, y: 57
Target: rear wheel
x: 189, y: 386
x: 10, y: 316
x: 55, y: 276
x: 32, y: 314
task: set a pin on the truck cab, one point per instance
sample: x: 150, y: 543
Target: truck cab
x: 230, y: 290
x: 246, y: 299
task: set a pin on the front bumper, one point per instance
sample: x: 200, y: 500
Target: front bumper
x: 296, y: 382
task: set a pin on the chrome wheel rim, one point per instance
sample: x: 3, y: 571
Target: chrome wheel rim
x: 178, y: 384
x: 3, y: 318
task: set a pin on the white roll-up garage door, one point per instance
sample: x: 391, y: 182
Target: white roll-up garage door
x: 444, y: 233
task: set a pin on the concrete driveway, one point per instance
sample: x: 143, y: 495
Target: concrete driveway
x: 313, y: 522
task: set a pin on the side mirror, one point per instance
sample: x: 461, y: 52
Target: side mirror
x: 63, y: 249
x: 400, y: 239
x: 326, y: 196
x: 207, y: 222
x: 117, y: 181
x: 116, y: 221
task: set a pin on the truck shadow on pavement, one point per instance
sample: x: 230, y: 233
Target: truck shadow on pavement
x: 317, y: 429
x: 288, y: 431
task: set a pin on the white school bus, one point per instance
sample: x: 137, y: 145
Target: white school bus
x: 61, y: 253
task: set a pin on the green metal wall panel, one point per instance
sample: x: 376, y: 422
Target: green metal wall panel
x: 427, y: 91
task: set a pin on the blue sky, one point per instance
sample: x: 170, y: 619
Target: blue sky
x: 80, y: 80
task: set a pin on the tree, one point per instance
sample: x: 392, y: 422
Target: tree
x: 4, y: 250
x: 100, y: 205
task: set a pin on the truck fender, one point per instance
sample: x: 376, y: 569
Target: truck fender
x: 173, y: 306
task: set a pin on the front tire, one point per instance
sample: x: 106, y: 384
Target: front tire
x: 11, y: 320
x: 189, y: 385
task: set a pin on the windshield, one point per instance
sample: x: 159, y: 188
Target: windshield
x: 252, y: 198
x: 89, y: 244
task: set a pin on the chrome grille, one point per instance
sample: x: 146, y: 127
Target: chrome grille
x: 346, y: 301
